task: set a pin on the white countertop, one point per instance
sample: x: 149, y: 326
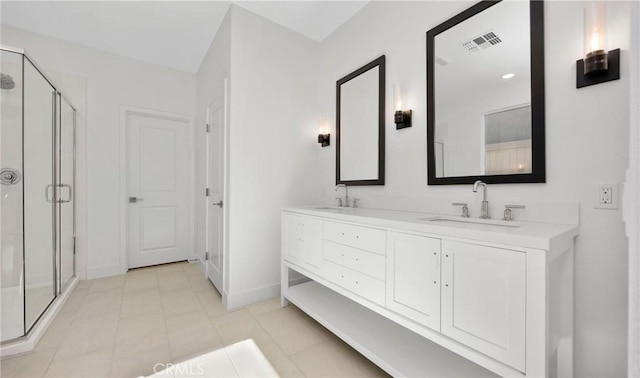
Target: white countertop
x: 520, y: 235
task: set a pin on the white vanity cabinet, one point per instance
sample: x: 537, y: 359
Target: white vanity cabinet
x: 422, y: 298
x: 302, y: 241
x: 413, y: 277
x: 483, y: 299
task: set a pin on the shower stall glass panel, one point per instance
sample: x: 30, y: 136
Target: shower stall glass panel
x: 11, y: 187
x: 37, y: 251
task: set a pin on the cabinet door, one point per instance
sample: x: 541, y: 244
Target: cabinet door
x: 413, y: 277
x: 483, y: 300
x: 292, y: 237
x: 303, y: 241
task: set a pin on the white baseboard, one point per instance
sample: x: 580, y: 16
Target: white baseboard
x: 200, y: 264
x: 104, y: 271
x: 248, y: 297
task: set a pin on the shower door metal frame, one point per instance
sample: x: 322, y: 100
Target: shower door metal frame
x: 72, y: 198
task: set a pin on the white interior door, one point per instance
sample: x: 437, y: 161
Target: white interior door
x: 215, y: 184
x: 157, y: 175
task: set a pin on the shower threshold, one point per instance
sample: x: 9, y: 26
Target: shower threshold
x: 29, y: 342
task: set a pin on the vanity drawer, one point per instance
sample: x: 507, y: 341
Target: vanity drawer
x: 369, y: 239
x: 361, y: 261
x: 358, y: 283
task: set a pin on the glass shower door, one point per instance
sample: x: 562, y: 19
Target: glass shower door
x: 39, y: 209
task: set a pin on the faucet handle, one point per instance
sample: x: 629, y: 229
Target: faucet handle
x: 508, y: 216
x: 339, y: 201
x: 465, y: 208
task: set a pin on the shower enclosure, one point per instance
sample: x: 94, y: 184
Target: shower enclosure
x: 37, y: 207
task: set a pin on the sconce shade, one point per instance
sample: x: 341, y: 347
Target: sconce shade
x: 324, y: 138
x: 598, y: 65
x: 595, y: 28
x: 402, y: 118
x: 397, y: 101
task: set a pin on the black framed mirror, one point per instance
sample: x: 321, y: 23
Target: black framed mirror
x: 360, y: 103
x: 485, y: 95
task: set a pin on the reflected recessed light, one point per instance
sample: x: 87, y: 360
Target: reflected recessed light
x: 508, y: 76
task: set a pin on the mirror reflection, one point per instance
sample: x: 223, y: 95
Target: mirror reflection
x: 360, y: 126
x: 485, y: 92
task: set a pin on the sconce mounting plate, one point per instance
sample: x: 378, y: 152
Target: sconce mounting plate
x: 612, y: 73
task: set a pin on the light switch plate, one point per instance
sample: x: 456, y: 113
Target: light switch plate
x: 605, y: 195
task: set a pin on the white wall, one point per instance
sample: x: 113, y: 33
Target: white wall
x: 112, y: 81
x: 271, y: 165
x: 587, y: 131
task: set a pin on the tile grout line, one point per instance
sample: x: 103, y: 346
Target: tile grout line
x: 288, y: 357
x: 66, y: 333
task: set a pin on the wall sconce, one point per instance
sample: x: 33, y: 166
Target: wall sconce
x: 324, y: 138
x: 402, y: 118
x: 598, y: 65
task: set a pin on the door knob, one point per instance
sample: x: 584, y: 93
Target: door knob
x: 134, y: 199
x: 218, y: 204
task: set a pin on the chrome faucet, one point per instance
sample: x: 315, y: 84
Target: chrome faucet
x: 484, y: 212
x: 346, y: 195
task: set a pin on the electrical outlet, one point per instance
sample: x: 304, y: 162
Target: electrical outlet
x: 606, y: 195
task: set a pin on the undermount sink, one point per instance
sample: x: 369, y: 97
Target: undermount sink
x: 479, y: 222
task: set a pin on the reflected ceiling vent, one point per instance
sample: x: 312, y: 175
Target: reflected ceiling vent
x: 482, y: 42
x: 442, y: 61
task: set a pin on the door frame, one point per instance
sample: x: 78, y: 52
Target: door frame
x: 125, y: 112
x: 631, y: 201
x: 225, y: 186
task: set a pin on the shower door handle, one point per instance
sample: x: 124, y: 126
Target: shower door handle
x: 134, y: 199
x: 48, y: 193
x: 70, y: 193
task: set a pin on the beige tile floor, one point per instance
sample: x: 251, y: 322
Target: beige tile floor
x: 121, y: 326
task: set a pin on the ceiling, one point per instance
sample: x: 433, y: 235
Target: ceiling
x: 175, y: 34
